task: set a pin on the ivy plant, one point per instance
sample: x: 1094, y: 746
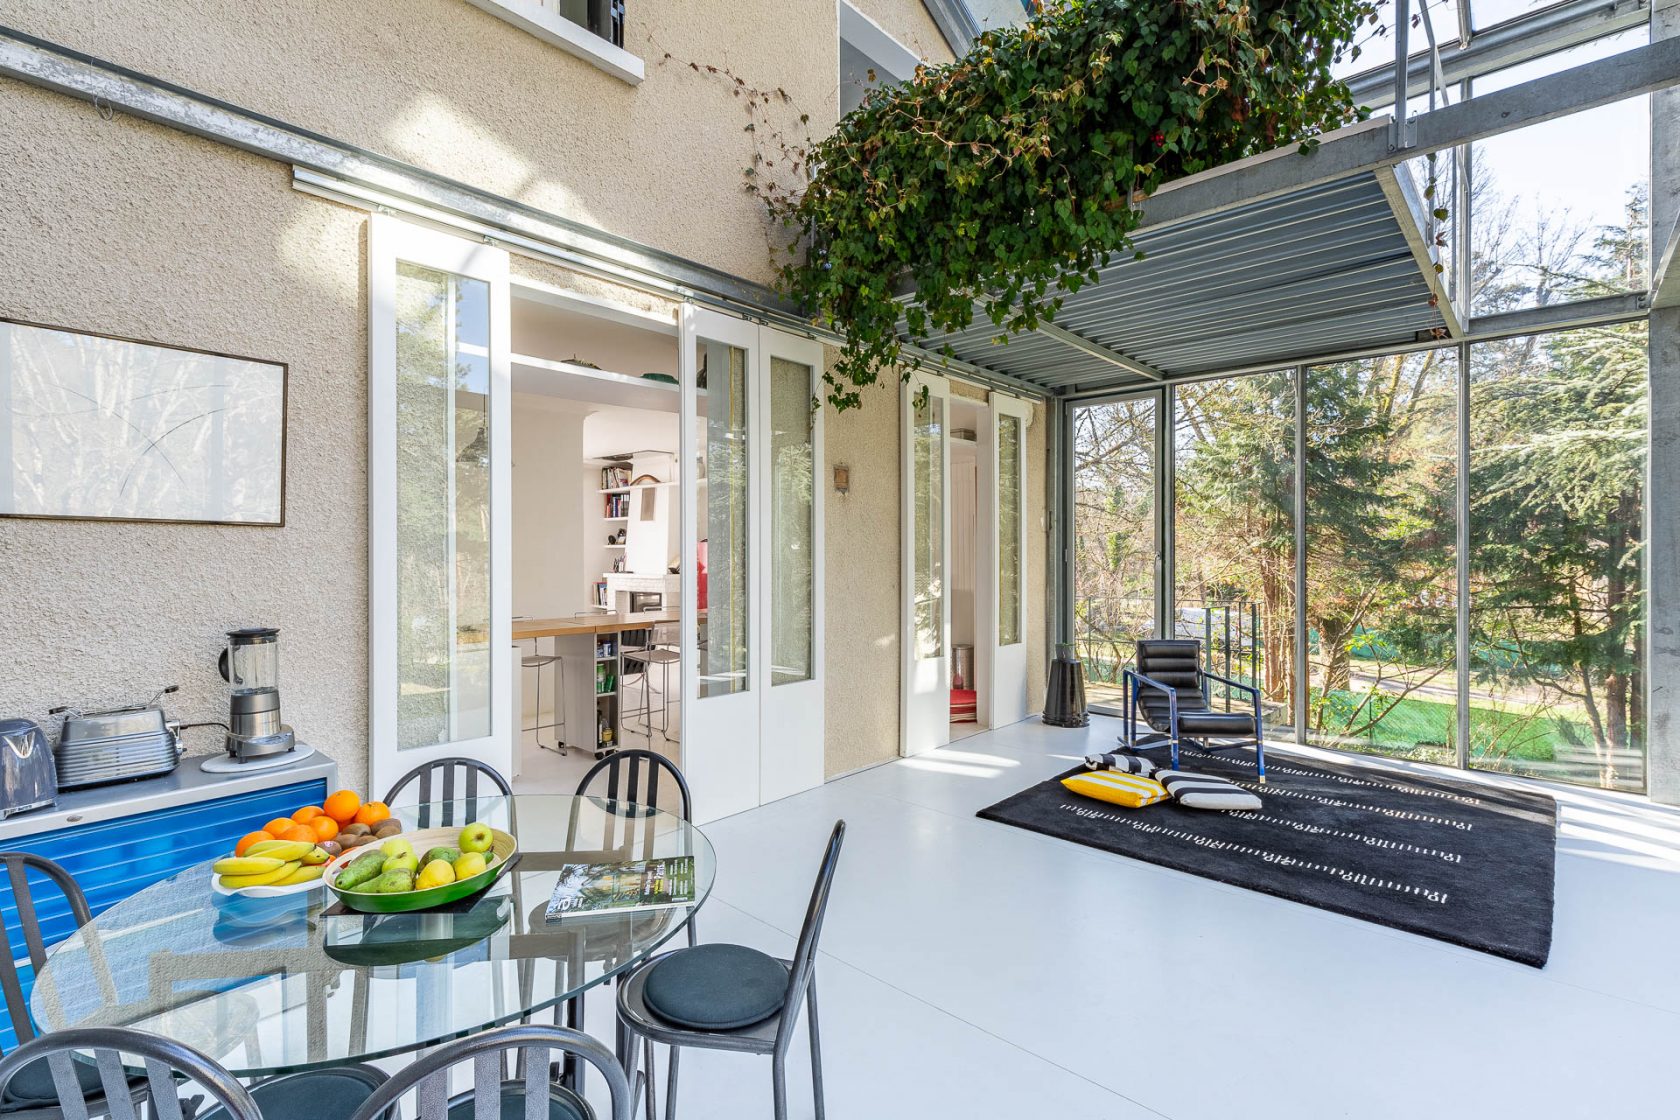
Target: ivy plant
x: 999, y: 183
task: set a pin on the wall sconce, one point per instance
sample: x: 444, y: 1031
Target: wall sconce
x: 842, y: 480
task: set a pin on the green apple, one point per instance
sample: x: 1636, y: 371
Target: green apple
x: 477, y: 837
x: 396, y: 846
x: 402, y: 861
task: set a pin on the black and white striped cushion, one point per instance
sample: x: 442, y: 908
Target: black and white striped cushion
x: 1121, y: 763
x: 1204, y: 791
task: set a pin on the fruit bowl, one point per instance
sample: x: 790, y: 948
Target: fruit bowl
x: 502, y: 847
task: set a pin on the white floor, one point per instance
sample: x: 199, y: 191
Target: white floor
x: 974, y: 970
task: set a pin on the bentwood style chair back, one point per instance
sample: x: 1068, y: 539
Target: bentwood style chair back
x: 18, y: 865
x: 531, y: 1096
x: 102, y: 1087
x: 633, y: 776
x: 450, y: 780
x: 729, y: 997
x: 1169, y: 687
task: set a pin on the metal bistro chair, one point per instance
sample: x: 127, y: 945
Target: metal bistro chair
x: 729, y: 997
x: 531, y: 1096
x: 642, y: 661
x: 1170, y: 686
x: 102, y: 1086
x: 539, y: 661
x: 632, y: 778
x: 444, y: 770
x: 31, y: 1092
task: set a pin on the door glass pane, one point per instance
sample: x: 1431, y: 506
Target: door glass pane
x: 1234, y: 511
x: 443, y: 507
x: 792, y: 527
x: 1115, y: 546
x: 929, y: 486
x: 721, y: 631
x: 1557, y: 467
x: 1381, y: 478
x: 1009, y: 530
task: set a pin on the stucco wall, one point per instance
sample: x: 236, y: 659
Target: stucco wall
x: 908, y: 22
x: 443, y: 85
x: 129, y: 229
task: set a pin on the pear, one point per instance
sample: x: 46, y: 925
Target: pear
x: 438, y: 873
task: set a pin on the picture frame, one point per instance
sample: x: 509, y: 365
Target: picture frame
x: 100, y: 427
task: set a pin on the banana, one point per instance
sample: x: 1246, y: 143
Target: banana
x: 301, y: 875
x: 265, y: 879
x: 283, y: 850
x: 247, y: 865
x: 315, y: 856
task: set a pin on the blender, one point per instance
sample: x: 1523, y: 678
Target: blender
x: 251, y: 666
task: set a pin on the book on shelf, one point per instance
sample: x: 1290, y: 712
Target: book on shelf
x: 615, y: 477
x: 622, y: 888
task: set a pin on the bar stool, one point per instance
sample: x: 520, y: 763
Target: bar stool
x: 644, y: 659
x: 539, y: 661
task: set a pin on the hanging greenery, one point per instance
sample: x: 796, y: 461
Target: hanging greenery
x: 1004, y: 180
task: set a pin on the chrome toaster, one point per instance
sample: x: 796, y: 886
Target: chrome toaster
x: 115, y: 745
x: 26, y: 768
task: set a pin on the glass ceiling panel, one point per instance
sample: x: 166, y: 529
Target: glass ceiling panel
x: 997, y: 13
x: 1376, y: 42
x: 1485, y: 13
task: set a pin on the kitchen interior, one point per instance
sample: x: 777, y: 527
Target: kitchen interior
x: 596, y: 546
x: 965, y: 422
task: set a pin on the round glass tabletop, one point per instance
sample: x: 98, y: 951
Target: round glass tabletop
x: 277, y: 985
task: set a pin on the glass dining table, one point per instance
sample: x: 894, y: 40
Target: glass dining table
x: 284, y: 984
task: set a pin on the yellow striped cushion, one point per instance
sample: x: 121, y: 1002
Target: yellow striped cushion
x: 1130, y: 790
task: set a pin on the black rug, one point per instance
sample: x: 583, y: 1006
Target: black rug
x: 1435, y: 855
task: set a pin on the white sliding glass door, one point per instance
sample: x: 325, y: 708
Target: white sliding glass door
x: 751, y: 572
x: 439, y: 497
x: 1001, y: 649
x: 925, y: 695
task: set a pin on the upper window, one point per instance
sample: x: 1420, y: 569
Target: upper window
x: 593, y: 30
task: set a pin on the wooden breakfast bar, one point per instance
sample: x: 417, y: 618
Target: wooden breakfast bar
x: 590, y: 672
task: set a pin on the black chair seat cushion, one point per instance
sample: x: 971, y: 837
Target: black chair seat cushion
x: 327, y: 1094
x: 33, y: 1085
x: 562, y: 1105
x: 715, y: 987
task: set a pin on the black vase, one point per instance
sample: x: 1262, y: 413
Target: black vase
x: 1064, y: 699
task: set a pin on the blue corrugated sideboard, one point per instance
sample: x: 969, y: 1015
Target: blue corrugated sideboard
x: 118, y: 856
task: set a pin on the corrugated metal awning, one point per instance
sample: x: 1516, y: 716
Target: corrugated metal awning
x: 1330, y: 268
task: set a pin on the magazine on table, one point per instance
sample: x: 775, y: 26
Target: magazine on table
x: 621, y: 888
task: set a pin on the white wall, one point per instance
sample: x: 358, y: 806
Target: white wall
x: 548, y: 507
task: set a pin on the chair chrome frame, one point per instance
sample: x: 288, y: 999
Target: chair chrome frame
x: 771, y: 1038
x: 163, y: 1059
x: 1133, y: 684
x: 533, y: 1043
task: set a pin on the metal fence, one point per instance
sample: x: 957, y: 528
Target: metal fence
x: 1107, y: 631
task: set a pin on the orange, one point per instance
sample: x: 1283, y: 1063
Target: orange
x: 250, y: 838
x: 324, y: 827
x: 372, y: 813
x: 279, y: 825
x: 342, y: 806
x: 306, y: 814
x: 300, y: 832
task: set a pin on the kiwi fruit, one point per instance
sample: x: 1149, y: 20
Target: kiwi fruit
x: 357, y: 829
x: 387, y: 828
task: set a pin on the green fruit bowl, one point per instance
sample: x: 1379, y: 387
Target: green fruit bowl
x: 502, y: 848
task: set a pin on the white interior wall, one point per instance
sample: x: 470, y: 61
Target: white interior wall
x: 624, y: 431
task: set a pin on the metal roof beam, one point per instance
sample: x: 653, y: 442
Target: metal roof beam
x: 1532, y: 36
x: 1367, y: 146
x: 1411, y: 212
x: 1560, y: 316
x: 1102, y: 353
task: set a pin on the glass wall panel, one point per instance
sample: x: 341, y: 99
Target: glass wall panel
x: 1115, y: 545
x: 1381, y: 528
x: 929, y: 487
x: 1555, y: 207
x: 1009, y: 530
x: 1234, y: 543
x: 443, y: 507
x: 1557, y: 465
x: 722, y: 629
x: 792, y: 527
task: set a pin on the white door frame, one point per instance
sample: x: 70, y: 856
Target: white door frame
x: 1001, y: 669
x: 390, y: 241
x: 925, y: 683
x: 791, y: 713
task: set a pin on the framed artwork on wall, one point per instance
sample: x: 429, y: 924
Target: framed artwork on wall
x: 113, y: 429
